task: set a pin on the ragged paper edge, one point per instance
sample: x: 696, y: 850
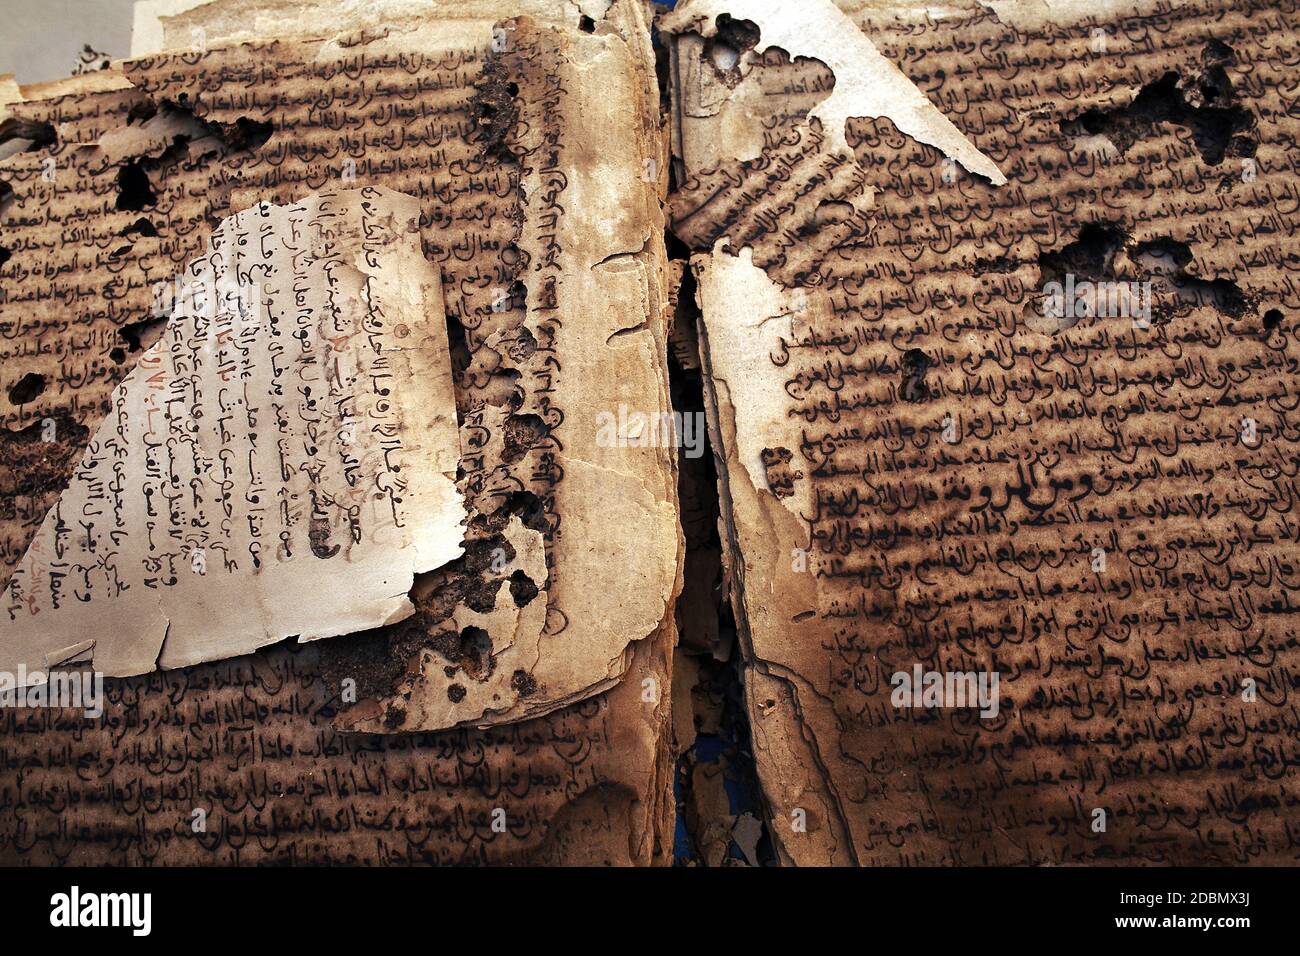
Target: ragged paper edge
x: 618, y: 270
x: 100, y: 81
x: 603, y: 597
x: 161, y: 25
x: 866, y: 83
x: 435, y: 509
x: 757, y: 533
x: 140, y: 637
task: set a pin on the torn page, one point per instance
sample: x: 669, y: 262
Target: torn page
x: 591, y: 347
x: 760, y: 123
x: 557, y: 313
x: 546, y: 645
x: 281, y: 462
x: 1006, y: 471
x: 865, y: 82
x: 535, y: 386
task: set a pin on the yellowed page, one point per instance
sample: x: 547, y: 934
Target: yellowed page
x: 1010, y: 563
x: 281, y: 462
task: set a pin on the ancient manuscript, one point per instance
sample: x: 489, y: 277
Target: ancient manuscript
x: 281, y: 462
x: 1002, y: 388
x: 745, y: 433
x: 526, y: 152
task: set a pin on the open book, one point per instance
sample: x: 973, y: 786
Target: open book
x: 500, y: 433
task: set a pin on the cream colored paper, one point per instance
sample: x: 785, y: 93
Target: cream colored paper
x: 866, y: 83
x: 281, y: 462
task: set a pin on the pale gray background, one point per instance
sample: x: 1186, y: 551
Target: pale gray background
x: 40, y: 39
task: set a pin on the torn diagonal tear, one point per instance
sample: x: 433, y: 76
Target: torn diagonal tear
x: 280, y: 463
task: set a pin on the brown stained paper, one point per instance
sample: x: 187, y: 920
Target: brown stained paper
x: 760, y: 128
x: 924, y: 467
x: 875, y: 14
x: 281, y: 462
x: 249, y: 742
x: 204, y: 132
x: 1046, y: 13
x: 556, y: 309
x: 597, y: 308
